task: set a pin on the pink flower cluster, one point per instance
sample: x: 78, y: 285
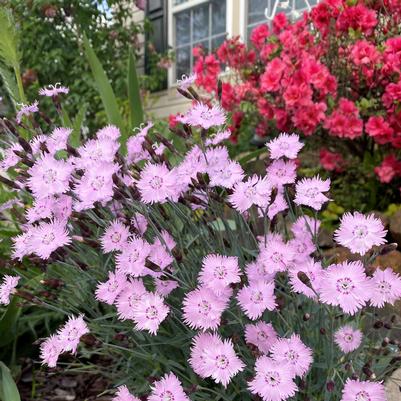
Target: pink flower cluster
x: 334, y: 71
x: 95, y: 180
x: 65, y: 340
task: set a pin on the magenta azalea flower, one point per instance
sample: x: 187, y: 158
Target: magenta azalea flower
x: 359, y: 233
x: 262, y: 335
x: 309, y: 192
x: 255, y: 298
x: 294, y: 352
x: 123, y: 394
x: 220, y: 362
x: 7, y: 288
x: 49, y: 176
x: 285, y: 146
x: 50, y: 350
x: 47, y: 237
x: 133, y: 291
x: 219, y: 271
x: 346, y: 285
x: 157, y: 184
x: 108, y: 291
x: 355, y: 390
x: 70, y: 334
x: 282, y: 172
x: 115, y: 237
x: 204, y: 116
x: 347, y: 338
x: 386, y: 287
x: 132, y: 258
x: 53, y: 90
x: 168, y: 388
x: 254, y: 191
x: 202, y: 309
x: 149, y: 312
x: 273, y: 381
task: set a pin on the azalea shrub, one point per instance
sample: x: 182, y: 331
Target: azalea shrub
x: 180, y: 277
x: 333, y: 74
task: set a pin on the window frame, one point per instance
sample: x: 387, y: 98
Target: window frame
x: 244, y: 11
x: 174, y: 9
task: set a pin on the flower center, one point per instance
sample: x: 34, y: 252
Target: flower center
x: 277, y: 257
x: 167, y: 396
x: 257, y: 297
x: 48, y: 238
x: 151, y: 313
x: 115, y: 238
x: 262, y: 336
x: 362, y: 396
x: 291, y: 356
x: 272, y: 379
x: 311, y: 192
x: 133, y: 257
x: 348, y: 338
x: 50, y: 176
x: 112, y: 287
x: 222, y: 361
x: 284, y: 145
x: 360, y: 231
x: 98, y: 183
x: 384, y: 287
x: 250, y: 192
x: 156, y: 182
x: 345, y: 285
x: 220, y: 272
x: 72, y: 334
x: 204, y: 307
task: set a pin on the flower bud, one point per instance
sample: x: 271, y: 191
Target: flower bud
x: 330, y: 385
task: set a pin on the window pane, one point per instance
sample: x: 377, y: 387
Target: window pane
x: 218, y: 17
x: 200, y: 22
x: 183, y: 61
x: 256, y: 10
x: 182, y: 28
x: 217, y: 41
x: 176, y: 2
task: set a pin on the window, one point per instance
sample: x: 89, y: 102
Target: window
x: 194, y: 23
x: 262, y: 11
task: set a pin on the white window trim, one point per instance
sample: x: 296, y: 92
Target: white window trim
x: 244, y: 13
x: 173, y: 9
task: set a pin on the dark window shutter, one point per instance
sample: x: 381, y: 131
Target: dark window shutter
x: 156, y: 13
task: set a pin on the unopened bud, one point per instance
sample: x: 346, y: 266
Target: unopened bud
x: 378, y: 324
x: 304, y: 279
x: 330, y: 385
x: 306, y: 317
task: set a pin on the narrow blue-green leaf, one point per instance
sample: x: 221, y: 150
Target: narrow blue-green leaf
x: 103, y: 86
x: 134, y: 96
x: 75, y: 137
x: 8, y: 388
x: 8, y: 322
x: 251, y: 156
x: 9, y: 84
